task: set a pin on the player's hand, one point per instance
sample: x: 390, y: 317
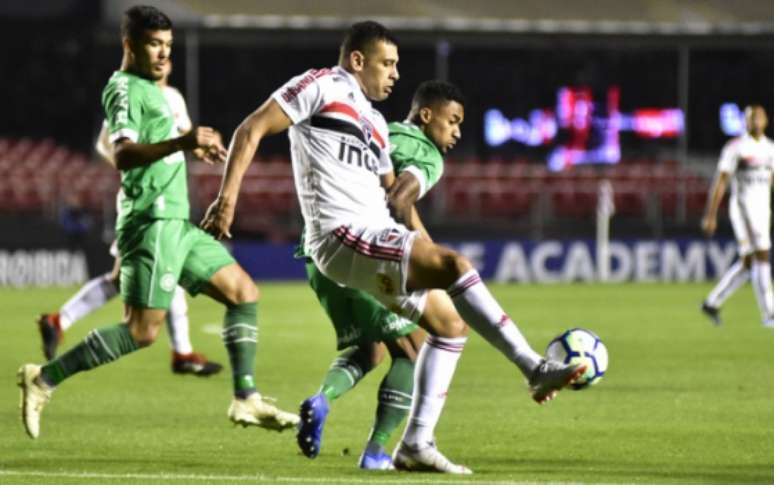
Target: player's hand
x: 206, y: 143
x: 218, y: 218
x: 708, y: 225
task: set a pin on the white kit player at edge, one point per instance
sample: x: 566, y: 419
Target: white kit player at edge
x: 747, y: 162
x: 339, y: 152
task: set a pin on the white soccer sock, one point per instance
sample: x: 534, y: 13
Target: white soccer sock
x: 483, y: 314
x: 761, y: 280
x: 433, y: 372
x: 732, y: 279
x: 177, y: 323
x: 95, y: 293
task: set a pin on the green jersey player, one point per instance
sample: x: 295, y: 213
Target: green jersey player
x: 364, y: 327
x: 159, y: 247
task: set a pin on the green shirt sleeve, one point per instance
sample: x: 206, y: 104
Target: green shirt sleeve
x: 122, y: 101
x: 418, y: 156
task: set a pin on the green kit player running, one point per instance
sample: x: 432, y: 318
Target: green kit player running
x: 364, y: 327
x: 158, y: 245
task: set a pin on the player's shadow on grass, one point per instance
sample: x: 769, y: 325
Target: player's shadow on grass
x: 620, y: 471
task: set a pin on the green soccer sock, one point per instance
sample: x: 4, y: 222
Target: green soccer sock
x: 240, y: 335
x: 394, y: 402
x: 101, y: 346
x: 345, y: 372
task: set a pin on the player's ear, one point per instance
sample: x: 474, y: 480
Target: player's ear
x: 356, y: 60
x: 425, y: 115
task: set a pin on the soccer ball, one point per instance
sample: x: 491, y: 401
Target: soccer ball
x: 580, y: 346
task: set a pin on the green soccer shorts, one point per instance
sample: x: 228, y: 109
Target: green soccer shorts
x: 356, y: 315
x: 157, y: 255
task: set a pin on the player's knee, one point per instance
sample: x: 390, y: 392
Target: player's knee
x: 452, y: 328
x: 145, y: 333
x: 454, y: 265
x: 246, y: 291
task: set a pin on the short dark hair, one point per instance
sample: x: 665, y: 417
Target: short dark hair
x: 361, y: 35
x: 431, y: 92
x: 141, y: 18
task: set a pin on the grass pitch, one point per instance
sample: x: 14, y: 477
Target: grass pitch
x: 683, y: 402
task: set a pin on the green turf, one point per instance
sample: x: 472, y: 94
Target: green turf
x: 683, y: 402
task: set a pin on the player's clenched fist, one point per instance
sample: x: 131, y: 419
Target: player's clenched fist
x: 218, y: 218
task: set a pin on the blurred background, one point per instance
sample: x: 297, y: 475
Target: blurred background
x: 562, y: 95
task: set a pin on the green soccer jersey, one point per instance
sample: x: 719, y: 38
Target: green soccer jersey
x: 136, y: 109
x: 412, y: 151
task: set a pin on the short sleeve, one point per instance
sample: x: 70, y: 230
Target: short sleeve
x: 122, y: 103
x: 419, y: 159
x: 302, y: 96
x: 729, y: 157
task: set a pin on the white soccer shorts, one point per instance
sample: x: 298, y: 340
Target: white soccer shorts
x: 751, y: 229
x: 373, y: 260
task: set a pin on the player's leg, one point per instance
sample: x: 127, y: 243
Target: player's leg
x: 184, y: 359
x: 395, y: 397
x: 735, y: 276
x: 434, y: 266
x: 92, y: 295
x: 757, y: 230
x: 761, y: 282
x: 210, y: 269
x: 353, y: 314
x: 147, y: 293
x: 435, y: 366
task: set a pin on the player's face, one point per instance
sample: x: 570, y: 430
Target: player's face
x: 444, y: 124
x: 756, y: 120
x: 380, y: 70
x: 151, y: 53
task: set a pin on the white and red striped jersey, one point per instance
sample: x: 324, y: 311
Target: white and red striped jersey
x: 750, y: 162
x: 339, y: 147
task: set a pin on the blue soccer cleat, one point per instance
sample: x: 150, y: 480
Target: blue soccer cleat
x: 313, y: 412
x: 375, y: 461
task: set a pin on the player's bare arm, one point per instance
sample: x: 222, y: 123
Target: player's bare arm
x: 269, y: 119
x: 130, y: 155
x: 710, y: 220
x: 402, y: 195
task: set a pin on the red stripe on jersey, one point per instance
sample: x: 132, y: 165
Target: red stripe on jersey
x: 342, y: 108
x: 345, y: 109
x: 378, y: 138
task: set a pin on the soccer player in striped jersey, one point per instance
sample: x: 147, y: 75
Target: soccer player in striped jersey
x: 100, y: 290
x: 159, y: 246
x: 341, y: 164
x: 365, y: 329
x: 746, y: 162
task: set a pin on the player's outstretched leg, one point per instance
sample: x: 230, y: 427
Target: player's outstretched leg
x: 101, y: 346
x: 184, y: 359
x: 344, y: 374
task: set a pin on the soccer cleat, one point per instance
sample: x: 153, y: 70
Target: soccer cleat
x: 375, y: 461
x: 711, y: 312
x: 427, y: 459
x: 194, y: 363
x: 34, y: 398
x: 313, y: 412
x: 550, y: 377
x: 256, y: 410
x: 50, y: 333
